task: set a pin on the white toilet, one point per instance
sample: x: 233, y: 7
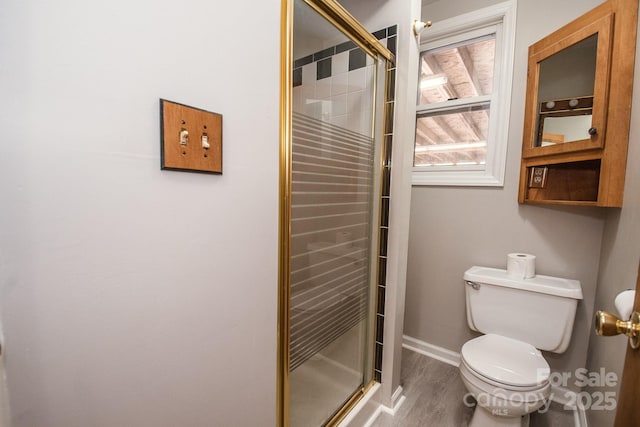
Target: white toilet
x: 504, y: 369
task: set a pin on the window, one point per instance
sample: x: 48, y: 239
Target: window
x: 463, y: 103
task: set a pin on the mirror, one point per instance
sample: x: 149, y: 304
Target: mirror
x: 568, y: 88
x: 565, y: 94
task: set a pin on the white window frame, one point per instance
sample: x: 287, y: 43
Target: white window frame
x: 499, y: 18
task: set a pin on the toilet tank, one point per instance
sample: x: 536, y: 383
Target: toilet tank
x: 539, y: 311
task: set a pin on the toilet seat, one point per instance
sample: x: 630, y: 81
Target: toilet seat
x: 506, y: 362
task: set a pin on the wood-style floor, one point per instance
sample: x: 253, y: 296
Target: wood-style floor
x: 435, y: 398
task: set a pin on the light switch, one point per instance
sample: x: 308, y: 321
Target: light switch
x: 181, y: 126
x: 184, y: 137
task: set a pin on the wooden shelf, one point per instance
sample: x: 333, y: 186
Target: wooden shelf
x: 572, y: 183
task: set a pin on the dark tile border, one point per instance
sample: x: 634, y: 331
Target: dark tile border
x: 357, y: 57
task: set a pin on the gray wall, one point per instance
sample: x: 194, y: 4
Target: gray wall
x: 453, y: 228
x: 619, y: 260
x: 132, y: 296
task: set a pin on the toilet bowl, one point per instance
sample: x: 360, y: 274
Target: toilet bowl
x: 508, y: 378
x: 504, y: 370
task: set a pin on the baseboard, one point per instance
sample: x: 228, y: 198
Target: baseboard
x: 580, y: 418
x: 560, y: 395
x: 373, y: 418
x: 397, y: 401
x: 397, y: 398
x: 366, y: 411
x: 567, y: 398
x: 433, y: 351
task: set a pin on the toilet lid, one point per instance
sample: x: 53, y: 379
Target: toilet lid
x: 506, y: 360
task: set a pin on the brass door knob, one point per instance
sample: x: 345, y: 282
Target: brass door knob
x: 607, y: 324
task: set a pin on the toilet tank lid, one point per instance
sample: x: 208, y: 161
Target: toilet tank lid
x: 568, y: 288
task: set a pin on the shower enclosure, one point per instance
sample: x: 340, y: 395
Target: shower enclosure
x: 332, y: 191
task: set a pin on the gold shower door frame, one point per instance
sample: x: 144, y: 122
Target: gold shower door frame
x: 347, y: 24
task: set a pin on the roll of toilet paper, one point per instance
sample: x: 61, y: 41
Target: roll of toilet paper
x: 521, y: 266
x: 624, y: 303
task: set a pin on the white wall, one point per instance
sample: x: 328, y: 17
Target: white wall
x: 132, y: 296
x: 453, y: 228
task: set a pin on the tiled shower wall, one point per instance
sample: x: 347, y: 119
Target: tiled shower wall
x: 331, y: 197
x: 334, y: 84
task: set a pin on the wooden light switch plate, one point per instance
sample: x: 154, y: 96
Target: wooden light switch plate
x: 191, y: 138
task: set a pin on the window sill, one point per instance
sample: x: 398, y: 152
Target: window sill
x: 455, y: 178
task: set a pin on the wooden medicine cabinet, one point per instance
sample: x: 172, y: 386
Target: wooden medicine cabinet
x: 577, y: 111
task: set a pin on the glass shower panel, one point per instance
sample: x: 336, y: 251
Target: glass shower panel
x: 332, y: 211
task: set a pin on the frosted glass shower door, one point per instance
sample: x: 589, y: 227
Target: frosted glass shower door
x: 334, y: 178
